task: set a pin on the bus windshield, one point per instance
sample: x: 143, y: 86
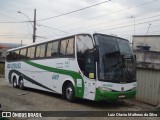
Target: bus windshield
x: 116, y: 63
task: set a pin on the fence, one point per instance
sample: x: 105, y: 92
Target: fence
x: 148, y: 89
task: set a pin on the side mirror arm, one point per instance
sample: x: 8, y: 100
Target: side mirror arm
x: 96, y: 53
x: 135, y: 57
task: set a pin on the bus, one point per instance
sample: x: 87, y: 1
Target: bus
x: 96, y: 67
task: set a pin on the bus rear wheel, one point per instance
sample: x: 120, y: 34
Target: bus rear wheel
x: 21, y: 84
x: 14, y: 84
x: 69, y: 92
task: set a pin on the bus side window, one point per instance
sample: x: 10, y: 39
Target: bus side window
x: 52, y: 49
x: 23, y: 53
x: 85, y: 55
x: 30, y: 52
x: 67, y: 47
x: 15, y: 55
x: 9, y: 56
x: 40, y: 51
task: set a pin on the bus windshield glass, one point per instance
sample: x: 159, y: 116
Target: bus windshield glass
x: 116, y: 61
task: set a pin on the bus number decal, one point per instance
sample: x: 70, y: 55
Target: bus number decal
x: 14, y: 65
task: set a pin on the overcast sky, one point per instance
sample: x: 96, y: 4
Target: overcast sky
x: 113, y: 17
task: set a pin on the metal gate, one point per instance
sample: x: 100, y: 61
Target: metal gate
x: 148, y: 89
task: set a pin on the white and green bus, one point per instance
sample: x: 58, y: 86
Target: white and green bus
x: 89, y: 66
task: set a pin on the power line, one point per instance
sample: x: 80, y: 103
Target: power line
x: 26, y: 17
x: 130, y: 25
x: 45, y: 31
x: 130, y: 7
x: 75, y: 11
x: 42, y: 37
x: 12, y: 35
x: 8, y: 16
x: 52, y: 28
x: 117, y: 11
x: 155, y: 10
x: 140, y: 33
x: 110, y: 25
x: 16, y: 22
x: 122, y: 23
x: 155, y: 26
x: 17, y: 37
x: 138, y: 15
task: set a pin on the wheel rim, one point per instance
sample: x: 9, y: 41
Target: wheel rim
x: 21, y: 83
x: 14, y: 83
x: 69, y: 92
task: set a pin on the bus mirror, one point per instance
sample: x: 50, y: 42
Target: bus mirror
x: 96, y: 53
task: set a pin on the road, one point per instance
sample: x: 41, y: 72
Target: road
x: 14, y: 99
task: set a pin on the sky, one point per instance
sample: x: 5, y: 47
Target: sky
x: 122, y: 18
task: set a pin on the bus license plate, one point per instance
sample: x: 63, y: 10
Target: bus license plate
x: 122, y: 96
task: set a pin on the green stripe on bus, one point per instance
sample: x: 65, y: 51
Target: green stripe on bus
x: 28, y: 79
x: 79, y: 91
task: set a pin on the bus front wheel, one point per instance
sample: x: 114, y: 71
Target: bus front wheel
x: 69, y: 92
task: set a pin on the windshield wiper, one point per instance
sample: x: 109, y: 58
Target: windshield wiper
x: 116, y: 58
x: 124, y: 65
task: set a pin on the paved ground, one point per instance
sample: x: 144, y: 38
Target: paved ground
x: 13, y: 99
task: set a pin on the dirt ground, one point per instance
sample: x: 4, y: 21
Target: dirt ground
x: 14, y: 99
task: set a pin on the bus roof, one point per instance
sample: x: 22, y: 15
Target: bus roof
x: 65, y: 36
x: 36, y: 43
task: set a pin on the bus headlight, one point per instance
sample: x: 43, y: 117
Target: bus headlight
x: 133, y: 89
x: 104, y: 89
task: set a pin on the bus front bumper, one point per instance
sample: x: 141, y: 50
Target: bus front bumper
x: 104, y: 95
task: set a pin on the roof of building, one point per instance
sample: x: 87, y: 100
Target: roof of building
x: 146, y: 35
x: 2, y: 46
x: 9, y: 45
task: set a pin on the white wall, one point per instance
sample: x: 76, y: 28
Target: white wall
x: 151, y: 40
x: 151, y: 56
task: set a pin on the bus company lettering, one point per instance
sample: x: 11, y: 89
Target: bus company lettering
x: 55, y: 76
x: 14, y: 65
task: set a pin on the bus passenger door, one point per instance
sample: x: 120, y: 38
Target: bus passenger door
x: 89, y: 72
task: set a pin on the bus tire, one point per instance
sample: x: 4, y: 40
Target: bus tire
x: 21, y: 83
x: 14, y: 84
x: 69, y: 92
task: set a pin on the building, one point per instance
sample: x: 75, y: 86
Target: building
x: 3, y: 50
x: 147, y: 50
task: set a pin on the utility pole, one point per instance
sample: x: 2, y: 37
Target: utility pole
x: 133, y: 23
x: 133, y: 29
x: 34, y: 26
x: 144, y: 42
x: 21, y: 42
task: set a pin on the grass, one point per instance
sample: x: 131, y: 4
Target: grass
x: 1, y: 69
